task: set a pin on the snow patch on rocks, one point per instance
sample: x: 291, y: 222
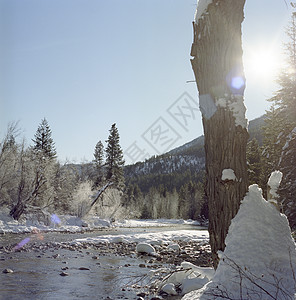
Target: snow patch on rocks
x: 145, y: 248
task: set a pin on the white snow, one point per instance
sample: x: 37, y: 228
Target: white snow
x: 67, y: 223
x: 152, y: 238
x: 189, y: 277
x: 237, y: 107
x: 207, y: 106
x: 274, y: 183
x: 61, y: 223
x: 170, y: 289
x: 228, y: 174
x: 153, y: 223
x: 204, y: 271
x: 202, y: 6
x: 145, y: 248
x: 259, y: 259
x: 174, y: 248
x: 289, y: 139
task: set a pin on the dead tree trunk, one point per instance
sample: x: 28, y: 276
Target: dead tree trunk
x: 218, y: 69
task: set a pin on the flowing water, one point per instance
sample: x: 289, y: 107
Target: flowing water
x: 36, y: 274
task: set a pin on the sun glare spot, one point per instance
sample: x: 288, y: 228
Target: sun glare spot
x: 262, y: 63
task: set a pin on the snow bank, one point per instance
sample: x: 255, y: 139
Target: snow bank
x: 62, y: 223
x: 259, y: 261
x: 153, y: 223
x: 67, y: 223
x: 154, y: 238
x: 188, y: 278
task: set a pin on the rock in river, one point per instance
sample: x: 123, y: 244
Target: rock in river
x: 7, y: 271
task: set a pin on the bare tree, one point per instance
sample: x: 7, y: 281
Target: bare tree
x: 218, y: 69
x: 8, y: 162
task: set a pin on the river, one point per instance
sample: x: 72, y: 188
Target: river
x: 36, y: 274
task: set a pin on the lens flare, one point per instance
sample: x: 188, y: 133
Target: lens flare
x: 55, y: 219
x: 22, y: 243
x: 237, y: 82
x: 37, y: 233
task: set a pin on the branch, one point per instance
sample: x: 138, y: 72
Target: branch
x: 100, y: 192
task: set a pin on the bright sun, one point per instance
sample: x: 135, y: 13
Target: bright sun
x: 261, y: 63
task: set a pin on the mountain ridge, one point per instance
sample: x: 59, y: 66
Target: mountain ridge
x: 180, y: 165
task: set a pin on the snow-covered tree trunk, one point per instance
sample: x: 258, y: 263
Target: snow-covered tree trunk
x: 218, y: 69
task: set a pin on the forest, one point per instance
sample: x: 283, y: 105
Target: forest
x: 32, y: 180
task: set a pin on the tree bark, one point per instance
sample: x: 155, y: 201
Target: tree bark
x: 218, y: 70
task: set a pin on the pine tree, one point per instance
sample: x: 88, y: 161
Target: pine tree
x: 44, y: 157
x: 254, y: 161
x: 272, y: 145
x: 99, y: 163
x: 114, y: 158
x: 43, y: 142
x: 280, y: 150
x: 99, y: 154
x: 288, y: 186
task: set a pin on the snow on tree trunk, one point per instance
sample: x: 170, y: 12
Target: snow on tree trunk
x: 259, y: 261
x: 217, y: 65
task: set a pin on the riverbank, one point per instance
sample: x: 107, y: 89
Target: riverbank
x: 91, y: 255
x: 73, y: 224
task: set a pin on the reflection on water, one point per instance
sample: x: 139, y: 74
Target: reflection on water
x: 37, y: 273
x: 38, y: 277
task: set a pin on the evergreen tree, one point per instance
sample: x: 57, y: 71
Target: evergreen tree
x: 99, y: 162
x: 191, y: 200
x: 43, y: 142
x: 272, y: 145
x: 280, y: 150
x: 288, y: 186
x: 45, y: 167
x: 114, y: 158
x: 254, y: 161
x: 99, y: 154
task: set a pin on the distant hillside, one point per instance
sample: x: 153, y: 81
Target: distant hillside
x: 170, y: 170
x: 179, y: 165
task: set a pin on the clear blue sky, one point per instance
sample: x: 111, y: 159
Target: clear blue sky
x: 86, y: 64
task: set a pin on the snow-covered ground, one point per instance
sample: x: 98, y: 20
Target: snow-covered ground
x: 59, y: 223
x: 154, y: 238
x: 66, y: 223
x: 154, y: 223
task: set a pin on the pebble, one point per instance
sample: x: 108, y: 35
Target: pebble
x: 141, y: 294
x: 84, y: 269
x: 7, y: 271
x: 194, y: 252
x: 64, y: 274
